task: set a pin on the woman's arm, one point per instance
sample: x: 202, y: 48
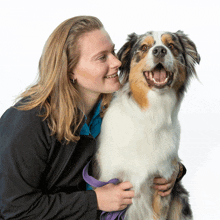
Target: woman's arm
x: 24, y: 149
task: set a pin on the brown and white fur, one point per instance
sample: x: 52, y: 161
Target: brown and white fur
x: 140, y: 133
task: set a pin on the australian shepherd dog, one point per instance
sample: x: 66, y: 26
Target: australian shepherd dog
x: 140, y: 133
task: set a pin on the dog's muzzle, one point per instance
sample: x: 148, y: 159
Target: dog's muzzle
x: 159, y: 77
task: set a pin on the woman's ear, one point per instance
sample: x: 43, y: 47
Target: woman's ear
x: 72, y: 77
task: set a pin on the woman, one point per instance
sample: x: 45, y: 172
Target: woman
x: 49, y: 135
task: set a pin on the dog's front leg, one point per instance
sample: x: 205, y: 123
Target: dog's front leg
x: 160, y: 206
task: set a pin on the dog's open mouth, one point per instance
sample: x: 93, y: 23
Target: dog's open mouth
x: 159, y: 77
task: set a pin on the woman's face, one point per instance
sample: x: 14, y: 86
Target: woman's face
x: 96, y: 71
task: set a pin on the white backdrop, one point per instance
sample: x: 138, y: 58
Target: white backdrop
x: 26, y: 25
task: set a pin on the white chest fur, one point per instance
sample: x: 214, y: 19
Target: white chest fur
x: 134, y: 144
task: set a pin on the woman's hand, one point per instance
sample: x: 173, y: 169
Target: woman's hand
x: 114, y: 197
x: 165, y: 186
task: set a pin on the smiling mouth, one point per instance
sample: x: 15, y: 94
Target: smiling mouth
x: 158, y: 77
x: 111, y: 76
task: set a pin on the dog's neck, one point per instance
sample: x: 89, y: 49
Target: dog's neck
x: 158, y: 100
x: 162, y: 109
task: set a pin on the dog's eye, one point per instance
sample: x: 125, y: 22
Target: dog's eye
x: 171, y: 46
x: 144, y: 47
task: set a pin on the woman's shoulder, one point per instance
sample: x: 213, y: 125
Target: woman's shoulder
x: 14, y: 115
x: 16, y: 123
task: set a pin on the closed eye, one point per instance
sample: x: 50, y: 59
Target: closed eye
x: 105, y: 54
x: 103, y: 57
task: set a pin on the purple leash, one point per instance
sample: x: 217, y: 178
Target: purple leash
x: 119, y: 215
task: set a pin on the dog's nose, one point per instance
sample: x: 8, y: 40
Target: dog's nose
x: 159, y: 51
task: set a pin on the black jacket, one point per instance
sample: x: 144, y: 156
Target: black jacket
x: 41, y: 178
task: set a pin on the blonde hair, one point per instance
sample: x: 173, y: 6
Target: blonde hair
x: 54, y: 90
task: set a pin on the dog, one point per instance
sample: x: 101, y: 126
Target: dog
x: 140, y: 132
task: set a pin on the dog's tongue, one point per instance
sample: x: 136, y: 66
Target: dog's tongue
x: 160, y: 75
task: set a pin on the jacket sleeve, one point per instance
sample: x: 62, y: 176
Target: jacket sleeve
x: 182, y: 172
x: 24, y: 148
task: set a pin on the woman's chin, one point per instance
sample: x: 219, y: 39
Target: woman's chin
x: 113, y: 88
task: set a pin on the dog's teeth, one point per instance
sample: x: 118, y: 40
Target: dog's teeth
x: 146, y: 74
x: 151, y: 76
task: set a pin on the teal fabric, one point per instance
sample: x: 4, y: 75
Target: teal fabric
x: 93, y: 128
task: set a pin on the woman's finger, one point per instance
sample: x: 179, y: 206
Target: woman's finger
x: 163, y: 187
x: 127, y: 201
x: 125, y: 185
x: 160, y: 181
x: 128, y: 194
x: 165, y: 193
x: 123, y: 207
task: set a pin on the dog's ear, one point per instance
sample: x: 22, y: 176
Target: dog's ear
x: 125, y: 56
x: 190, y: 53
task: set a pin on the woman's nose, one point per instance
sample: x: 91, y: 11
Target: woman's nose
x: 115, y: 62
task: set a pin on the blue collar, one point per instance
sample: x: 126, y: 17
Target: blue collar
x: 94, y: 126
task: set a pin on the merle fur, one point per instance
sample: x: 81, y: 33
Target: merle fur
x: 188, y: 55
